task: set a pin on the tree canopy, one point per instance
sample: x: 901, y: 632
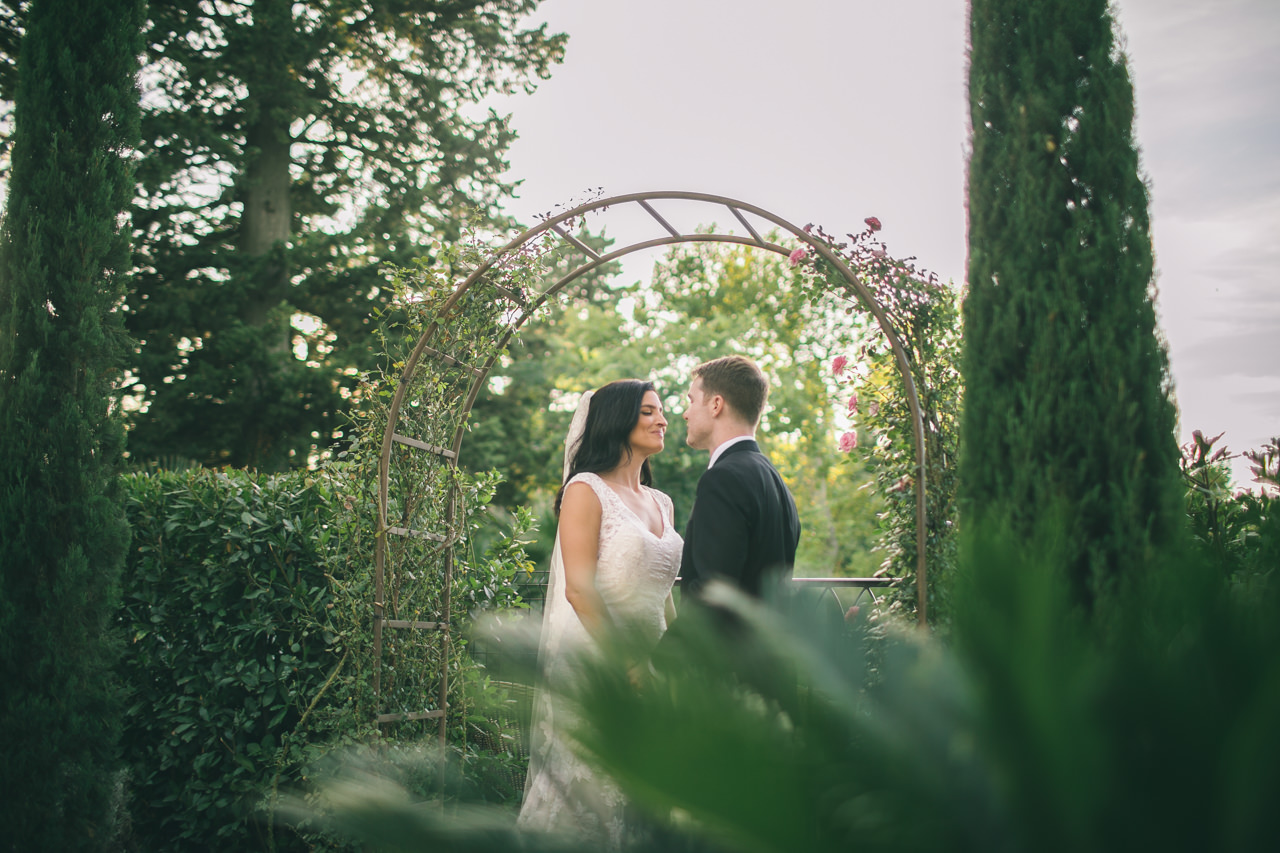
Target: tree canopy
x: 288, y: 150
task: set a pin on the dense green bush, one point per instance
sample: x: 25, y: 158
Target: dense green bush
x: 247, y: 601
x: 232, y: 653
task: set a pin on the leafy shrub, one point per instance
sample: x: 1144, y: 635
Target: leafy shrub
x: 246, y: 610
x: 231, y: 649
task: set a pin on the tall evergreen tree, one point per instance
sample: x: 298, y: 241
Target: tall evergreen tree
x: 1067, y: 408
x: 64, y: 251
x: 290, y: 149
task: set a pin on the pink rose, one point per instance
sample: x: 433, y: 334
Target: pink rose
x: 797, y: 256
x: 851, y: 613
x: 853, y: 405
x: 837, y: 365
x: 872, y: 223
x: 848, y: 441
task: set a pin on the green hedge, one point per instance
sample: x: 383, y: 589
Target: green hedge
x: 247, y: 618
x: 232, y: 655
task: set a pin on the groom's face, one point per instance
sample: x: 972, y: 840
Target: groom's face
x: 699, y: 417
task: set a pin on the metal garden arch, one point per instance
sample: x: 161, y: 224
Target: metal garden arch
x: 455, y: 405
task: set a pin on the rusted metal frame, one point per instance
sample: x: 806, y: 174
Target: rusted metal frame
x: 865, y: 586
x: 866, y: 590
x: 507, y: 293
x: 541, y: 228
x: 817, y: 602
x: 745, y: 224
x: 479, y: 376
x: 736, y: 207
x: 410, y: 624
x: 451, y: 509
x: 862, y: 583
x: 863, y: 294
x: 454, y: 539
x: 422, y: 445
x: 390, y: 437
x: 569, y: 238
x: 410, y: 717
x: 409, y: 532
x: 664, y: 223
x: 600, y: 260
x: 653, y: 244
x: 384, y: 476
x: 445, y: 629
x: 448, y: 359
x: 917, y: 419
x: 868, y: 300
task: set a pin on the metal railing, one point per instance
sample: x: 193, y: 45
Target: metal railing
x: 864, y: 586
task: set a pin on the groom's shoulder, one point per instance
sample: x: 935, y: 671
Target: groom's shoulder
x: 742, y: 452
x: 738, y: 464
x: 745, y: 455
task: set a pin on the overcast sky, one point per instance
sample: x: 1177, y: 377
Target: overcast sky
x: 829, y: 111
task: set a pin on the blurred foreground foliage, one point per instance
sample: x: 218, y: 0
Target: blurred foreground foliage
x: 1146, y: 724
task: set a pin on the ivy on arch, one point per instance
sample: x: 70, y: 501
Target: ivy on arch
x: 421, y: 493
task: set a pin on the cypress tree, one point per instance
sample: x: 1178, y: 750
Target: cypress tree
x: 1067, y: 413
x: 63, y: 251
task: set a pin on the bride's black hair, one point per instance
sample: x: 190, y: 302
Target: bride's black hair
x: 606, y: 437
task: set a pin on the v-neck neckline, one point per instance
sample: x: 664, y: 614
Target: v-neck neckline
x: 643, y: 526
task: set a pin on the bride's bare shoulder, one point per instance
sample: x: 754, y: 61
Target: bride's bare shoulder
x: 580, y: 494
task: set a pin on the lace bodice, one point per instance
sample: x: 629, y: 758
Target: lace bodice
x: 635, y: 568
x: 634, y: 573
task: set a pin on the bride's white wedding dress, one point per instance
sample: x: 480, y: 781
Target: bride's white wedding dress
x: 634, y: 573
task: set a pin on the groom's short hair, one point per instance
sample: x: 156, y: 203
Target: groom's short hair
x: 739, y: 381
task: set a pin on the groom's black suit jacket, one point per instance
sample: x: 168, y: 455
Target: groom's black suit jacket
x: 743, y: 528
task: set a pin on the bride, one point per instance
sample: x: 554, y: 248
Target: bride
x: 615, y: 558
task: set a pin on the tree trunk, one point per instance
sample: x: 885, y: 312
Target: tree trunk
x: 265, y: 226
x: 264, y: 230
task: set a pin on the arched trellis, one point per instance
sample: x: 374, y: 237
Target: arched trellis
x: 458, y: 396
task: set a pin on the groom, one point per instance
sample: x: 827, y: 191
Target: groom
x: 744, y: 527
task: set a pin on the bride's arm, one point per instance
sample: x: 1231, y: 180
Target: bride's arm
x: 579, y: 545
